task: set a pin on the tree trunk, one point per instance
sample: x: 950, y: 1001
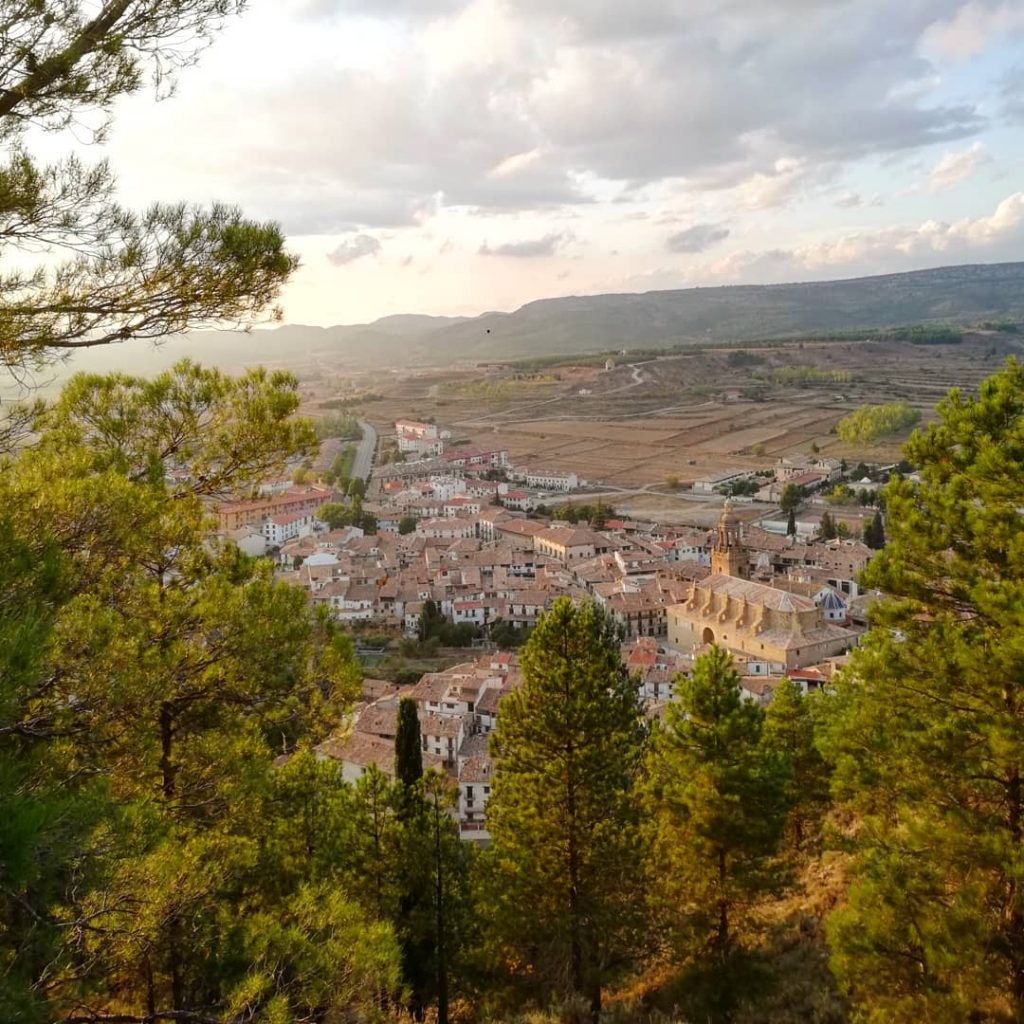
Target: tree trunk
x: 442, y: 965
x: 166, y: 750
x: 722, y: 934
x: 167, y: 773
x: 1015, y: 922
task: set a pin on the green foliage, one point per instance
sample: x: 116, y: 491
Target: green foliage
x: 435, y: 625
x: 926, y: 731
x: 927, y: 334
x: 565, y: 908
x: 790, y: 735
x: 827, y: 529
x: 335, y: 515
x: 807, y: 375
x: 406, y: 525
x: 345, y: 425
x: 717, y: 799
x: 507, y: 635
x: 341, y: 467
x: 841, y: 494
x: 791, y: 498
x: 741, y: 357
x: 151, y: 678
x: 408, y: 745
x: 109, y: 274
x: 740, y: 488
x: 871, y: 422
x: 874, y: 532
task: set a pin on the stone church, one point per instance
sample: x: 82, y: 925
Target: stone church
x: 763, y: 622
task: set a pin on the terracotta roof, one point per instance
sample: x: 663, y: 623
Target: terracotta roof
x: 755, y: 593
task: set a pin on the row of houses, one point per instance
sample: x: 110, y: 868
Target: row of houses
x: 459, y: 708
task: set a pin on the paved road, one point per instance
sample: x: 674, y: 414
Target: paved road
x: 365, y: 450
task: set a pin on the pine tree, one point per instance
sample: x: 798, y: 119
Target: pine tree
x: 167, y: 673
x: 108, y: 274
x: 565, y: 854
x: 791, y: 523
x: 789, y: 736
x: 927, y: 731
x: 717, y: 804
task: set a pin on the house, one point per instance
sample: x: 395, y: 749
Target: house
x: 445, y: 528
x: 296, y: 501
x: 281, y: 529
x: 478, y: 459
x: 474, y: 771
x: 442, y: 736
x: 711, y: 484
x: 520, y: 501
x: 571, y: 544
x: 550, y: 480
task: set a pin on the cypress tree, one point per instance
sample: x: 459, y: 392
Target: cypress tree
x: 408, y: 744
x: 827, y: 530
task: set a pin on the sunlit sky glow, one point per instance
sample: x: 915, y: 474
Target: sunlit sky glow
x: 444, y: 156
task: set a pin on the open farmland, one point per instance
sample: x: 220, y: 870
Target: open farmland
x: 687, y: 415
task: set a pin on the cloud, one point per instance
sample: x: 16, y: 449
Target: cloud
x: 528, y: 249
x: 848, y: 200
x: 972, y: 28
x: 697, y: 238
x: 1011, y: 91
x: 354, y: 248
x: 536, y: 106
x: 989, y: 238
x: 955, y: 167
x: 787, y: 181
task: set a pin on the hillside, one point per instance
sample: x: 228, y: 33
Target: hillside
x: 576, y: 324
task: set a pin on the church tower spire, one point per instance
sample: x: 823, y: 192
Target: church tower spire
x: 729, y: 557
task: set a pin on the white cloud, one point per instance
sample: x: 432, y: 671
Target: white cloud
x: 993, y: 237
x: 956, y: 166
x: 787, y: 181
x: 972, y: 28
x: 354, y: 248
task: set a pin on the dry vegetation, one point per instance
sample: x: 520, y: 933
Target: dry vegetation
x: 686, y: 415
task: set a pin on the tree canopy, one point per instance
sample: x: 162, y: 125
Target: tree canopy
x: 82, y: 269
x: 927, y: 731
x: 565, y: 851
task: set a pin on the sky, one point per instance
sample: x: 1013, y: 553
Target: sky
x: 457, y: 156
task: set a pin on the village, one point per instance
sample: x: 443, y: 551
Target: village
x: 470, y: 547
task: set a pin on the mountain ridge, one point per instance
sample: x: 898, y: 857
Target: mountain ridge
x: 574, y: 324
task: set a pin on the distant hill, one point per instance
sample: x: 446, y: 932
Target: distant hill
x: 577, y: 324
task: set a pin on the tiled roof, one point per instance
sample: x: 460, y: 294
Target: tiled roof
x: 755, y: 593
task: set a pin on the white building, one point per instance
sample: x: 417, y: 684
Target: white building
x: 710, y: 484
x: 550, y: 480
x: 284, y: 528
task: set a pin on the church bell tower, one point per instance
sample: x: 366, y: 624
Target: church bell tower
x: 729, y: 557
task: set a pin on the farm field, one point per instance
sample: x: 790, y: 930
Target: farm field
x: 687, y: 415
